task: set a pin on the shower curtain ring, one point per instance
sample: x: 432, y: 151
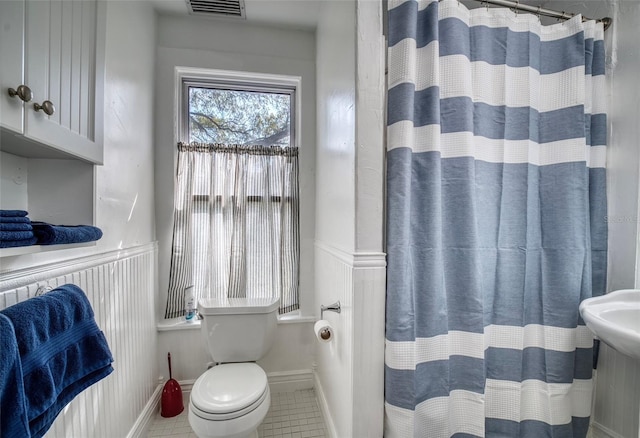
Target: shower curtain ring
x: 538, y: 13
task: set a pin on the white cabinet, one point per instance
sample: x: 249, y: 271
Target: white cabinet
x: 56, y: 48
x: 11, y: 62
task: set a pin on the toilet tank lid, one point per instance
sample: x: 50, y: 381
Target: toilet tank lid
x: 237, y: 306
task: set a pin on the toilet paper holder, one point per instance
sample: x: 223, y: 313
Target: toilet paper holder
x: 335, y: 307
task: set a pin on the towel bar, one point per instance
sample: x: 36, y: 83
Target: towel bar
x: 43, y: 290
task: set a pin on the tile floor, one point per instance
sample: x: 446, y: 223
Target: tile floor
x: 291, y: 415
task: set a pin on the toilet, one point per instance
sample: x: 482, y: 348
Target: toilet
x: 232, y: 398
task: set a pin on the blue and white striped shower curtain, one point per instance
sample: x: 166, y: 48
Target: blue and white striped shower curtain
x: 496, y: 221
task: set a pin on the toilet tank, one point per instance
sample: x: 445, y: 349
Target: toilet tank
x: 238, y: 329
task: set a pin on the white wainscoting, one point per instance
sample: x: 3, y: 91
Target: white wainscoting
x: 350, y: 370
x: 616, y: 409
x: 121, y: 288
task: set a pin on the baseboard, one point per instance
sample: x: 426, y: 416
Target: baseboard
x: 288, y: 381
x: 600, y: 431
x: 141, y: 427
x: 324, y: 407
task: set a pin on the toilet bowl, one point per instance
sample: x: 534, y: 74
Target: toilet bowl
x: 231, y: 399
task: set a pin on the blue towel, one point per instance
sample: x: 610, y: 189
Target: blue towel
x: 16, y: 227
x: 13, y: 412
x: 16, y: 235
x: 13, y: 213
x: 62, y: 352
x: 48, y: 234
x: 17, y: 243
x: 14, y: 220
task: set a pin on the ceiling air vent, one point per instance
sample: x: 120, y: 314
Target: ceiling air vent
x: 220, y: 8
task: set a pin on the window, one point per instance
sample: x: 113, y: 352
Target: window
x: 228, y: 114
x: 236, y: 230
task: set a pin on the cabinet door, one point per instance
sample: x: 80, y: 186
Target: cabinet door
x: 61, y: 67
x: 11, y: 63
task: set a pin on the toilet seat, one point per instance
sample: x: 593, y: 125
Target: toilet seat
x: 229, y: 391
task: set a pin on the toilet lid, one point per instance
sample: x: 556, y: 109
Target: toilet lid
x: 228, y: 388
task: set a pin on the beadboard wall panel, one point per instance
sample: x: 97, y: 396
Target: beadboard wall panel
x: 616, y: 411
x: 121, y: 288
x: 350, y: 369
x: 334, y: 282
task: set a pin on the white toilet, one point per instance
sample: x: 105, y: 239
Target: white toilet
x: 232, y: 398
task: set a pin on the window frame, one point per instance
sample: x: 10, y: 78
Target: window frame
x: 249, y: 81
x: 186, y: 77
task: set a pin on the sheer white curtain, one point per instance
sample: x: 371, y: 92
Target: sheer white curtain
x: 236, y: 231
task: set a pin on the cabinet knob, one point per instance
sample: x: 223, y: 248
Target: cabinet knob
x: 23, y: 92
x: 46, y: 106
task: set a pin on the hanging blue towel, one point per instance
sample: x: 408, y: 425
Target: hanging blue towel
x: 62, y: 352
x: 13, y: 412
x: 13, y: 213
x: 48, y: 234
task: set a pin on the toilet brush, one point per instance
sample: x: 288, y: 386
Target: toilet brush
x: 171, y: 403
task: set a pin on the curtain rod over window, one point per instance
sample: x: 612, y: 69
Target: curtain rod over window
x: 542, y: 11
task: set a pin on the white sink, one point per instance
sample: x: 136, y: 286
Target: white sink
x: 615, y: 319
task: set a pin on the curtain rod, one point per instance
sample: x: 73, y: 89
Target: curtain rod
x: 542, y: 11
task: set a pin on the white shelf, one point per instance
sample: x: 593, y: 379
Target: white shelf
x: 34, y: 249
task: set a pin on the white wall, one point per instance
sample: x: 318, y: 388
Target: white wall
x: 202, y: 43
x: 350, y: 265
x: 336, y: 96
x: 624, y: 154
x: 13, y: 181
x: 617, y: 404
x: 125, y: 192
x: 335, y: 206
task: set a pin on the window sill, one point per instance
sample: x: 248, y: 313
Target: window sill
x: 168, y: 325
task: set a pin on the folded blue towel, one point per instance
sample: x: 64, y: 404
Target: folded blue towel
x: 16, y: 235
x: 13, y: 412
x: 17, y: 243
x: 13, y: 213
x: 48, y: 234
x: 62, y: 352
x: 16, y: 227
x: 14, y: 220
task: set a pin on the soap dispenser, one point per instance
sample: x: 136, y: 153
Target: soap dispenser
x: 189, y: 304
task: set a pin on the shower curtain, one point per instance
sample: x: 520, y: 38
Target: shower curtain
x: 496, y: 221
